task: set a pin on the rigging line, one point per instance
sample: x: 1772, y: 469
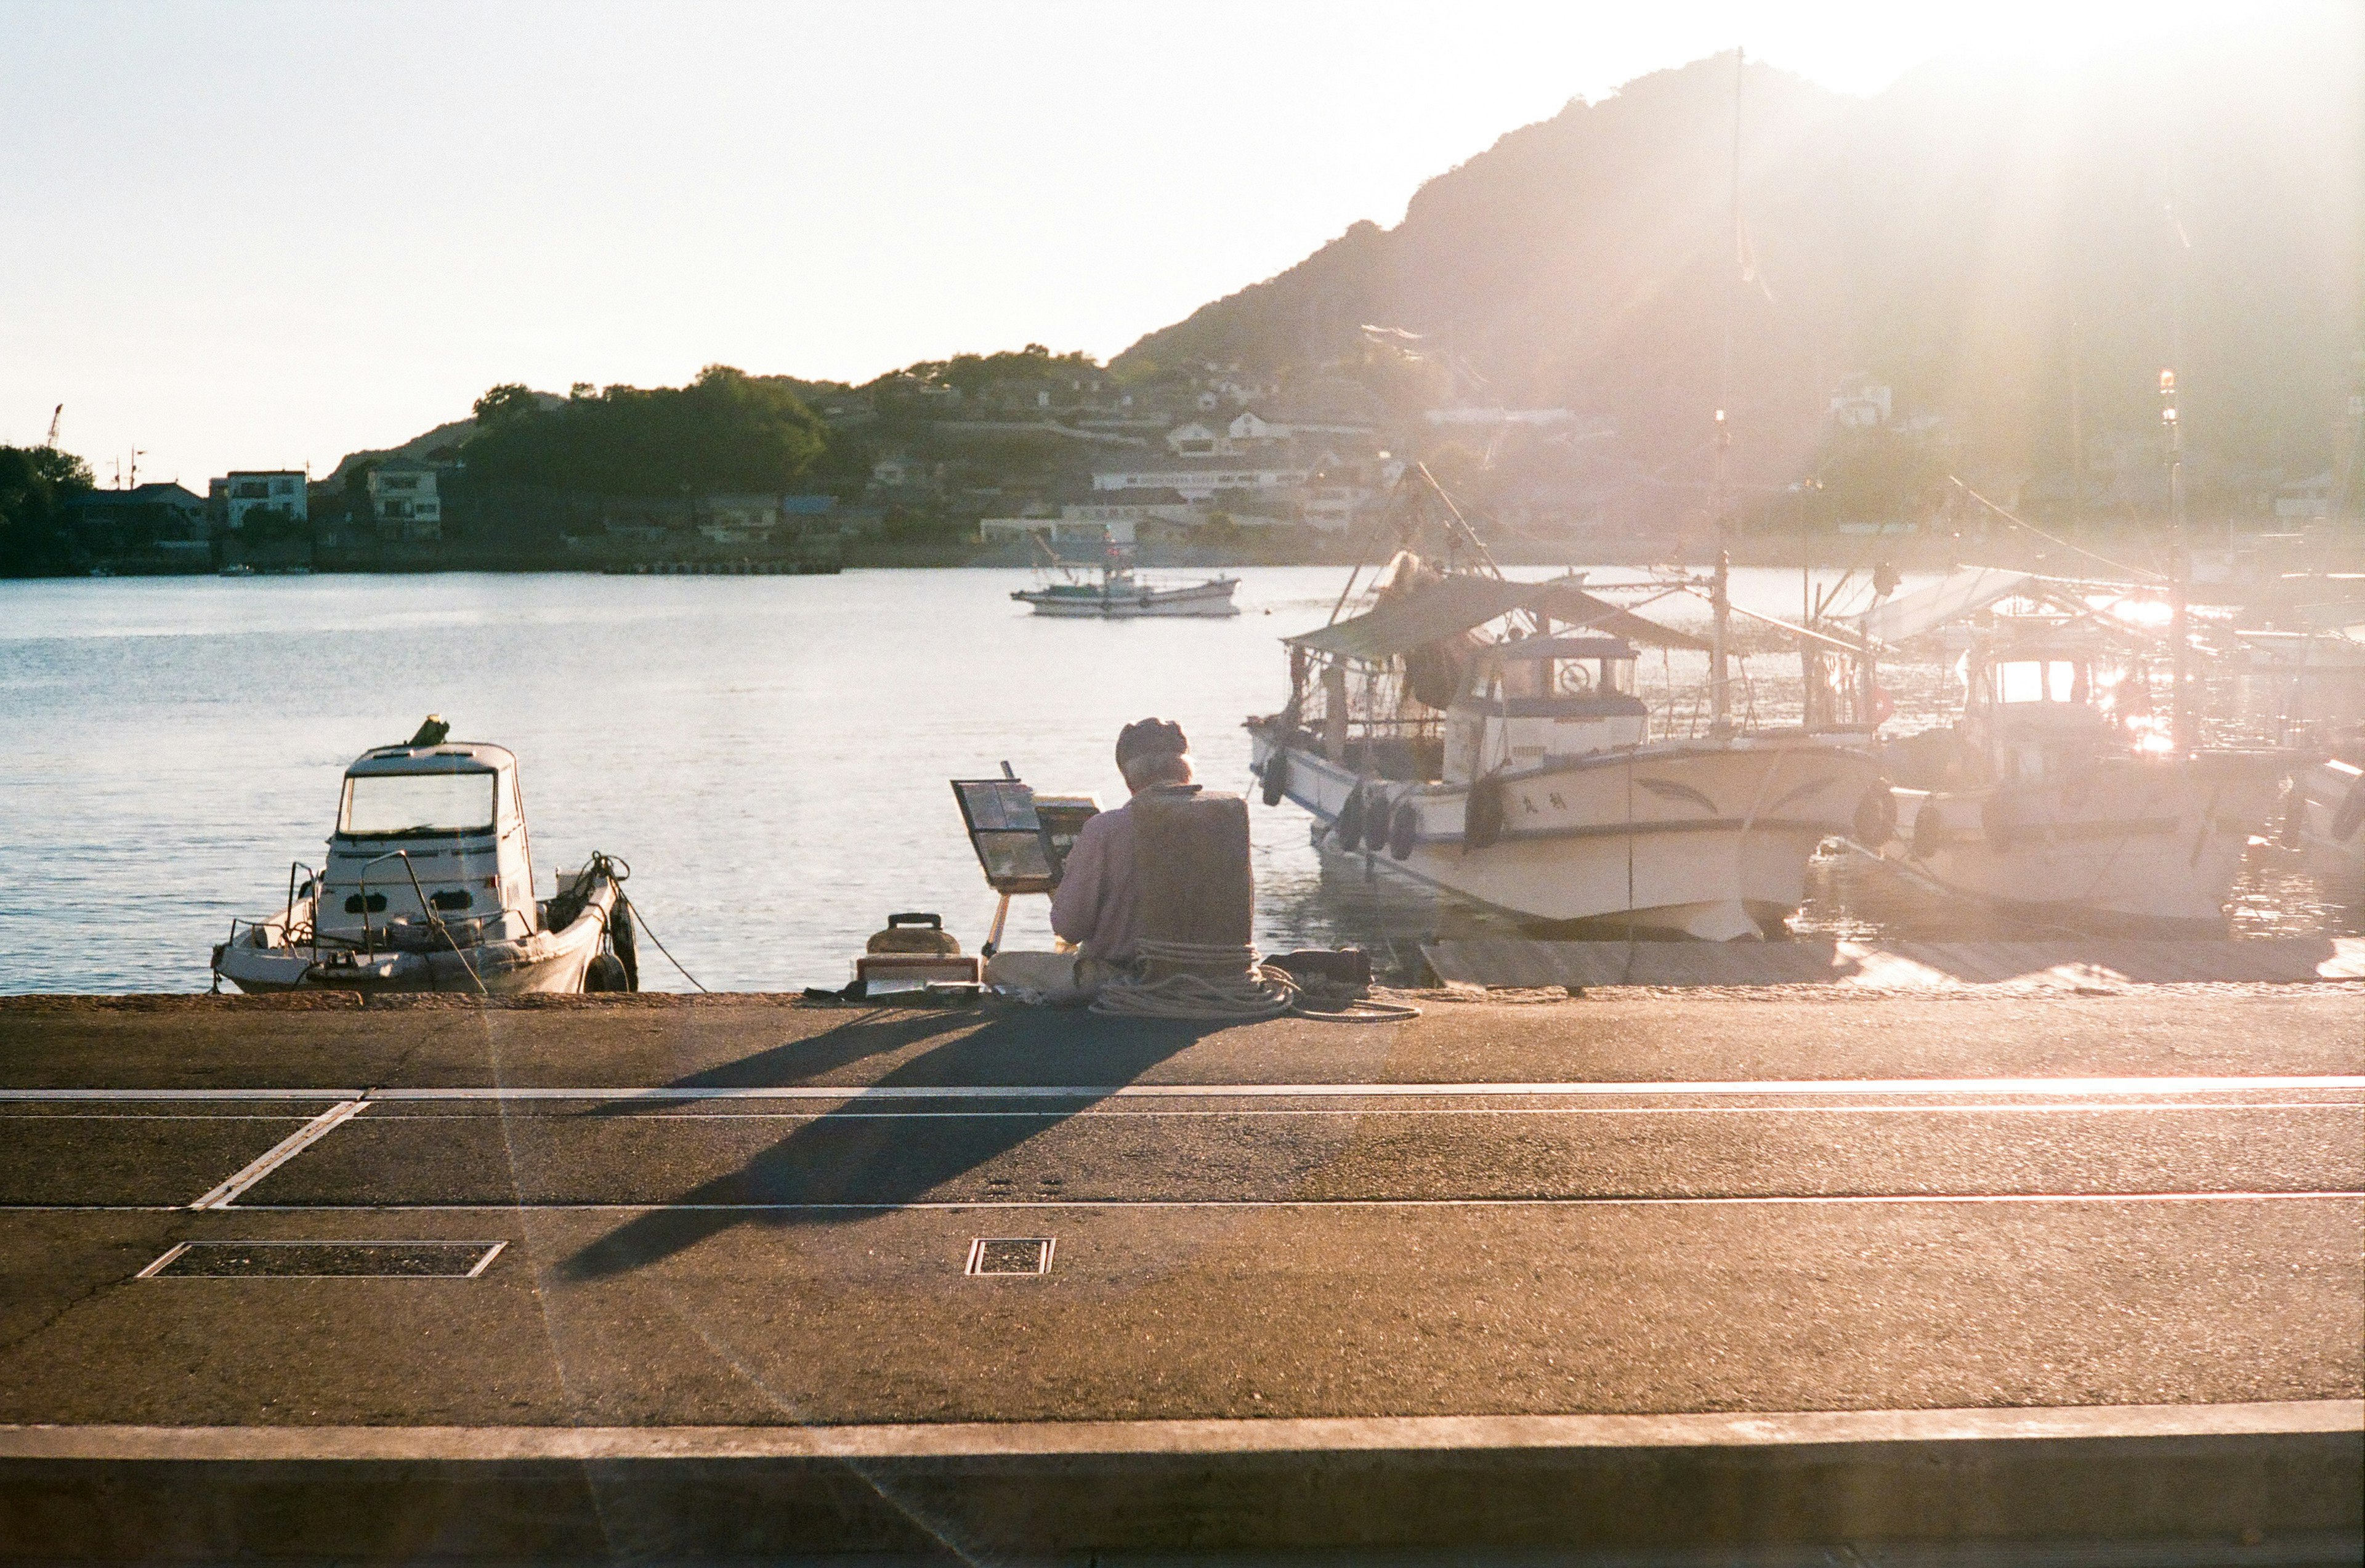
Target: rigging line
x: 644, y: 919
x: 2051, y: 539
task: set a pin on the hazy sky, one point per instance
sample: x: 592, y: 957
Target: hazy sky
x: 261, y: 235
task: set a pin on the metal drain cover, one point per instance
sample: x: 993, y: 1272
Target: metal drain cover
x: 1010, y: 1255
x: 324, y: 1259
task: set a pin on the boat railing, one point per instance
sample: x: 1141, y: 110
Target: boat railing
x: 309, y: 878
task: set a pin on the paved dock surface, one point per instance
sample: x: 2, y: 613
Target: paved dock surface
x: 739, y: 1213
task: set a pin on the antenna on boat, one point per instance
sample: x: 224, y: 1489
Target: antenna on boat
x: 2181, y: 718
x: 1719, y: 679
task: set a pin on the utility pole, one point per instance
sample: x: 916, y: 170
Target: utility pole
x: 55, y: 415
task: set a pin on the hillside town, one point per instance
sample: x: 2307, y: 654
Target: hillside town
x: 1017, y: 457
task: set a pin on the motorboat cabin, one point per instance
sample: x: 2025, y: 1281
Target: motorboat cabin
x: 429, y: 886
x: 440, y: 824
x: 1544, y: 697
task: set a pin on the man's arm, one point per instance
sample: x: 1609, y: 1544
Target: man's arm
x: 1076, y: 906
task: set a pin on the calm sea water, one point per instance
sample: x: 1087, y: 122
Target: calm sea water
x: 770, y: 753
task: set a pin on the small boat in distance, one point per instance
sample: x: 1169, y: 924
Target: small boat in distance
x: 1114, y: 591
x: 429, y: 886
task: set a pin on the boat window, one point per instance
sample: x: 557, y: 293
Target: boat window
x: 1525, y: 677
x: 2036, y: 680
x: 389, y: 805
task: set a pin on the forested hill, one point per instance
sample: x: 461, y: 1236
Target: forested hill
x: 1964, y: 237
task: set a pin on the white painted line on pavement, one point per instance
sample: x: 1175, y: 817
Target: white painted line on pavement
x: 961, y: 1204
x: 2027, y: 1087
x: 1100, y: 1112
x: 2111, y: 1087
x: 281, y: 1152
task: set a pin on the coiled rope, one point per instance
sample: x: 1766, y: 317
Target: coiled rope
x: 1246, y: 991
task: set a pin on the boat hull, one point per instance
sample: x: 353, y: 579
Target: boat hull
x: 258, y: 959
x: 2320, y: 807
x: 2132, y: 841
x: 1701, y: 839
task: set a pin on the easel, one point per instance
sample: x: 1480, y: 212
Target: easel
x: 1022, y: 839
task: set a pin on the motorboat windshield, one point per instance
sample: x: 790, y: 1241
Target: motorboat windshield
x: 417, y: 805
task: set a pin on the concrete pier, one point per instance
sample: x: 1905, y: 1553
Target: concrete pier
x: 1721, y: 1276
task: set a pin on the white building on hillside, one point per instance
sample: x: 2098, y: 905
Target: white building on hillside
x: 1860, y: 403
x: 280, y: 490
x: 403, y: 500
x: 1204, y: 478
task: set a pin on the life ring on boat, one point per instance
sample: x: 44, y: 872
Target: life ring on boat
x: 1995, y: 820
x: 1276, y: 777
x: 1376, y: 819
x: 1404, y: 829
x: 1347, y: 828
x: 2352, y: 814
x: 1482, y: 818
x: 1875, y: 816
x: 1929, y: 830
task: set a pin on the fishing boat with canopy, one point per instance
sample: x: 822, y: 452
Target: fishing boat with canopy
x: 2074, y: 784
x: 1486, y: 736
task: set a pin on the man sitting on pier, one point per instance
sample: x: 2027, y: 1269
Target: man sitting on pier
x: 1097, y: 908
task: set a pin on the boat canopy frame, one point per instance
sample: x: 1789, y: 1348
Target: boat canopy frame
x: 1459, y: 604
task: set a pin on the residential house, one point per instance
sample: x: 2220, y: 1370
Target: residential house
x: 279, y: 490
x: 404, y: 502
x: 166, y: 522
x: 1195, y: 440
x: 737, y: 519
x: 2305, y: 498
x: 898, y: 471
x: 1199, y: 478
x: 1860, y: 403
x: 1488, y: 418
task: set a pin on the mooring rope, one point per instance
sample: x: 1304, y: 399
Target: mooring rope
x: 1248, y: 989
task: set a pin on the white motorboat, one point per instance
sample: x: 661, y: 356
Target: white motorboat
x: 1517, y: 768
x: 429, y: 886
x: 1114, y: 591
x: 2061, y: 794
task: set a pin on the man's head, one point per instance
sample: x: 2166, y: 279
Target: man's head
x: 1153, y: 752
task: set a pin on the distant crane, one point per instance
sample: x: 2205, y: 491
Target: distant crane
x: 55, y: 415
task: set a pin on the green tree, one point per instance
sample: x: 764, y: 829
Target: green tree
x: 726, y: 431
x: 510, y: 401
x: 35, y: 484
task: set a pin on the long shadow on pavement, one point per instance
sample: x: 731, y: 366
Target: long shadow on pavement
x: 853, y: 1156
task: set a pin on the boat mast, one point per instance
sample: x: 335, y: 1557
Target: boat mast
x: 1720, y: 684
x: 2182, y: 722
x: 2180, y: 627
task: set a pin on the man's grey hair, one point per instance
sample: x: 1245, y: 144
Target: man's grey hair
x: 1157, y: 767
